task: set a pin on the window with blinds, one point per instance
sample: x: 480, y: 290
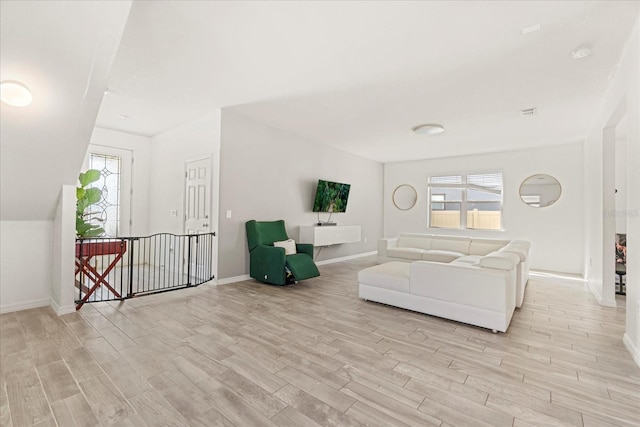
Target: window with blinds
x: 472, y: 201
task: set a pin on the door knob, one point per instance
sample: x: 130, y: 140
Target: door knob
x: 205, y: 225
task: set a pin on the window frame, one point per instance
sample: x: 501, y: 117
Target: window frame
x: 463, y: 186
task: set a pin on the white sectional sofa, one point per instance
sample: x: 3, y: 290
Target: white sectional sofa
x: 409, y: 247
x: 481, y: 293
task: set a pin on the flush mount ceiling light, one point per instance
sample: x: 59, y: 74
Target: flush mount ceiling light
x: 430, y: 129
x: 581, y: 52
x: 15, y: 93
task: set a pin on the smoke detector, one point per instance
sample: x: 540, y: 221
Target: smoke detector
x: 529, y: 112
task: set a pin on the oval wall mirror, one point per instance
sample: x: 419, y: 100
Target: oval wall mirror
x: 405, y: 197
x: 540, y: 190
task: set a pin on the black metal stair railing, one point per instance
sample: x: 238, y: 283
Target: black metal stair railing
x: 108, y: 269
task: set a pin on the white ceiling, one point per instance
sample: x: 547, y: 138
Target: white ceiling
x: 62, y: 52
x: 356, y: 75
x: 359, y: 75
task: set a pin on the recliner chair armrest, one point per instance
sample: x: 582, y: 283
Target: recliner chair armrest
x: 305, y: 248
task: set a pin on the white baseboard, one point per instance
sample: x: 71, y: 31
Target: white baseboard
x: 24, y: 305
x: 633, y: 350
x: 598, y: 296
x: 60, y: 310
x: 345, y: 258
x: 233, y: 279
x: 556, y: 276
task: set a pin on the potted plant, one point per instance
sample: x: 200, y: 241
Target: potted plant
x: 90, y: 275
x: 86, y: 227
x: 87, y: 197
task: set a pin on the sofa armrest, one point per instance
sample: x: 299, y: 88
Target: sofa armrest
x: 486, y: 288
x: 500, y: 260
x: 386, y: 242
x: 521, y: 251
x: 305, y: 248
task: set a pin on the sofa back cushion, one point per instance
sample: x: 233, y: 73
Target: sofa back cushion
x: 418, y: 241
x: 451, y: 243
x: 485, y: 246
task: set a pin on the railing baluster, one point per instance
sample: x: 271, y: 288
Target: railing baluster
x: 131, y: 255
x: 189, y: 260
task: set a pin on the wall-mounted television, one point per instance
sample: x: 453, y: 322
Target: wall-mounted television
x: 331, y: 196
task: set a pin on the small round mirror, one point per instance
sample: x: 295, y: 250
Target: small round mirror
x: 405, y: 197
x: 540, y: 190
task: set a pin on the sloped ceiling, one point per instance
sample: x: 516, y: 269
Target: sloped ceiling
x: 62, y: 51
x: 359, y: 75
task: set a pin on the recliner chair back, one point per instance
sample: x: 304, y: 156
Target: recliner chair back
x: 265, y: 233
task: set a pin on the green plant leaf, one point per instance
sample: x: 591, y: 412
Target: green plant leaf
x: 94, y: 232
x: 92, y: 196
x: 89, y: 177
x: 82, y: 228
x: 85, y: 198
x: 81, y: 206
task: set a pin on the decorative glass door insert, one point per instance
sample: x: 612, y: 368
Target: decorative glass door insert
x: 108, y: 209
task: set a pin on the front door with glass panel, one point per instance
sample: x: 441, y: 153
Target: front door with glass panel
x: 114, y: 209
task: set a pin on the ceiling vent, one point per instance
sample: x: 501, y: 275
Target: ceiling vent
x: 529, y: 112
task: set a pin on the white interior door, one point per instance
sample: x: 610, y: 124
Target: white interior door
x: 197, y: 209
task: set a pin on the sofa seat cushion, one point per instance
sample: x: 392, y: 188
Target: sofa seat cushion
x: 407, y: 253
x: 441, y: 256
x: 391, y: 275
x: 467, y: 260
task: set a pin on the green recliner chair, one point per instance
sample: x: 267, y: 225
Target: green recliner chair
x: 267, y: 262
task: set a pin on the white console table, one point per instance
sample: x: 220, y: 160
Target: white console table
x: 329, y: 234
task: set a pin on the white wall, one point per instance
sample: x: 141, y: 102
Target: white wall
x: 25, y: 264
x: 622, y: 100
x: 63, y: 291
x: 621, y: 180
x: 268, y: 174
x: 140, y: 147
x: 169, y: 151
x: 554, y: 231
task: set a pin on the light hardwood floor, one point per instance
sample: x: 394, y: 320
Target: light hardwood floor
x: 249, y: 354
